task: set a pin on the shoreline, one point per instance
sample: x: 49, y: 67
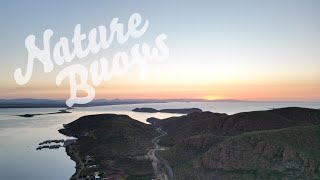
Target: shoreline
x: 161, y: 169
x: 71, y: 151
x: 127, y: 159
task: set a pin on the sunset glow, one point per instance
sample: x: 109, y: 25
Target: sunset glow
x: 264, y: 54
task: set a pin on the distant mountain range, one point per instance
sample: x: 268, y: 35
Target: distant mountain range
x: 48, y: 103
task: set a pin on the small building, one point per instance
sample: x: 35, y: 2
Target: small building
x: 96, y: 176
x: 88, y: 158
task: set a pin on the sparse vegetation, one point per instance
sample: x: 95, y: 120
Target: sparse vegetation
x: 277, y: 144
x: 116, y: 143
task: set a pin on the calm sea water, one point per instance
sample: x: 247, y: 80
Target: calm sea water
x: 19, y: 136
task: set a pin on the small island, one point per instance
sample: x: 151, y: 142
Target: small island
x: 178, y: 111
x: 62, y: 111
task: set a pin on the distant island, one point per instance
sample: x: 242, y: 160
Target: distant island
x: 63, y: 111
x: 280, y: 143
x: 179, y: 111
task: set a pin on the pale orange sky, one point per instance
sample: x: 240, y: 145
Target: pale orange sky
x: 158, y: 86
x: 267, y: 50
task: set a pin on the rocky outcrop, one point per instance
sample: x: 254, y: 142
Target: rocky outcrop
x: 274, y: 144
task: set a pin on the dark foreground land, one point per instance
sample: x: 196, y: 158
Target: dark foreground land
x: 274, y: 144
x: 115, y: 146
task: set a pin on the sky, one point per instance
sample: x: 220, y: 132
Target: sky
x: 231, y: 49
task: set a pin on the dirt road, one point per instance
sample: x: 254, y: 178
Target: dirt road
x: 162, y: 170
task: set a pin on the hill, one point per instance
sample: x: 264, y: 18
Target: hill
x: 113, y: 145
x: 280, y: 143
x: 228, y: 125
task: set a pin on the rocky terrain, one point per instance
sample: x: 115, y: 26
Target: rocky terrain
x: 273, y: 144
x: 280, y: 144
x: 113, y: 146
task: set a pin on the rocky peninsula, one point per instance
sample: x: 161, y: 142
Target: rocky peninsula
x: 113, y: 146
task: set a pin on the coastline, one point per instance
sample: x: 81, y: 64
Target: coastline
x: 71, y: 152
x: 110, y: 146
x: 161, y: 169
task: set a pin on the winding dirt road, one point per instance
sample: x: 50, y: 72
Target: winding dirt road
x: 157, y: 162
